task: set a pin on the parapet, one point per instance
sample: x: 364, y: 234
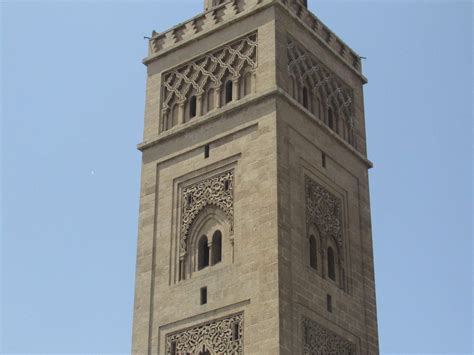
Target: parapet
x: 221, y: 12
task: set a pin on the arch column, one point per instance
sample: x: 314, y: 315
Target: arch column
x: 253, y: 87
x: 181, y: 112
x: 217, y: 96
x: 324, y: 250
x: 164, y: 119
x: 209, y: 246
x: 199, y: 101
x: 235, y: 89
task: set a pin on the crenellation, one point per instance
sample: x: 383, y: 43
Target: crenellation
x: 228, y: 11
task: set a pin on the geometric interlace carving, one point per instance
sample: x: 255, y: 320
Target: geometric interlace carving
x: 224, y: 336
x: 325, y: 210
x: 321, y: 341
x: 208, y: 71
x: 307, y: 71
x: 216, y: 191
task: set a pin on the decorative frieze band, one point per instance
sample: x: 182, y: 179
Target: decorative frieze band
x: 324, y: 210
x: 216, y: 191
x: 223, y: 336
x: 318, y: 340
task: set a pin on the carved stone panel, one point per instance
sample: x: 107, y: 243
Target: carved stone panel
x: 223, y: 336
x: 209, y: 70
x: 308, y: 72
x: 216, y: 191
x: 324, y: 210
x: 318, y: 340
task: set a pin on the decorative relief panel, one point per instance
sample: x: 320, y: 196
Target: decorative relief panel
x: 217, y: 191
x: 224, y: 336
x: 209, y: 72
x: 321, y: 341
x: 325, y: 210
x: 322, y: 85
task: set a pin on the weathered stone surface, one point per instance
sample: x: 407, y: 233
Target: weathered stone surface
x: 252, y: 158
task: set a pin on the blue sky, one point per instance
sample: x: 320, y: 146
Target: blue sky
x: 72, y: 105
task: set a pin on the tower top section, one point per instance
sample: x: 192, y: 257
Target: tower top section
x: 219, y: 13
x: 209, y: 4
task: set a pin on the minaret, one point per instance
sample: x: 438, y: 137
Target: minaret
x: 254, y: 229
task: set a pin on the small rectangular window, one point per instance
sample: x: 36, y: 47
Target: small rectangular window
x: 206, y: 151
x: 329, y: 303
x: 323, y: 159
x: 203, y: 295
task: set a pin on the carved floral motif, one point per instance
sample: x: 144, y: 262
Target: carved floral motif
x: 216, y: 191
x: 224, y: 336
x: 325, y: 210
x: 321, y: 341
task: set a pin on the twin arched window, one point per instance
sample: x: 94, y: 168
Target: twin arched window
x: 330, y: 261
x: 209, y: 253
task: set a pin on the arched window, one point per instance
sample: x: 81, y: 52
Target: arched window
x: 203, y: 253
x: 228, y: 91
x: 331, y: 264
x: 192, y: 107
x: 313, y: 261
x: 305, y: 98
x: 330, y: 118
x: 216, y: 247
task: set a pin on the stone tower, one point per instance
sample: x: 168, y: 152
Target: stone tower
x: 255, y: 230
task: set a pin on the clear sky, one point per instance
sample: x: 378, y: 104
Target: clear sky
x: 72, y: 105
